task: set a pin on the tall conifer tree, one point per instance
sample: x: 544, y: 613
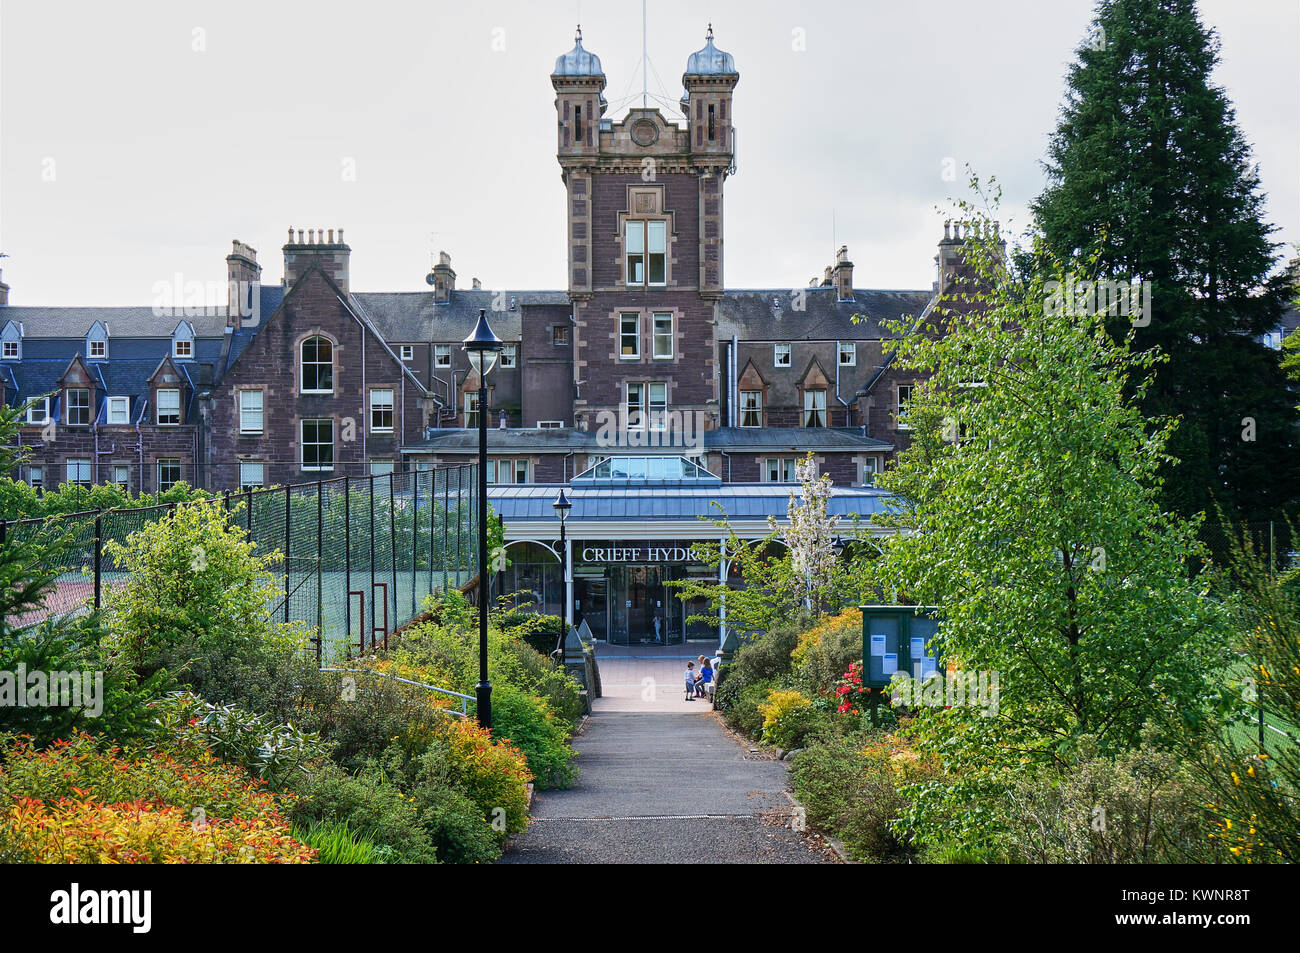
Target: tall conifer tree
x: 1147, y: 167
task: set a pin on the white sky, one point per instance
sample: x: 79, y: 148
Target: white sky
x: 161, y: 154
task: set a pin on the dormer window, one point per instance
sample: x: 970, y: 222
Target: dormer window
x: 11, y: 341
x: 183, y: 342
x: 98, y: 350
x: 182, y: 349
x: 169, y: 406
x: 38, y: 411
x: 646, y: 248
x: 10, y: 352
x: 97, y: 342
x: 119, y: 411
x: 78, y: 407
x: 814, y: 408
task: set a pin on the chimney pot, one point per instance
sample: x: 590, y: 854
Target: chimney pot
x: 331, y: 236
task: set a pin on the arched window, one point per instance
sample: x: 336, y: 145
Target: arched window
x: 317, y: 366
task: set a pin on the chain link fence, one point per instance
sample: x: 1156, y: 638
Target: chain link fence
x: 355, y: 557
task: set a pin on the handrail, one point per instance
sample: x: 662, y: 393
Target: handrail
x: 464, y: 699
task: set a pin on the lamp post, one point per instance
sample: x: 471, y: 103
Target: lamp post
x: 483, y: 347
x: 562, y: 507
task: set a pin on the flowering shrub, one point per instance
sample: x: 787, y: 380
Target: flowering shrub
x: 139, y: 832
x: 76, y: 769
x: 785, y: 717
x: 812, y: 638
x: 850, y: 693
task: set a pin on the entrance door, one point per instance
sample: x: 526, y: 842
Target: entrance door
x: 592, y: 596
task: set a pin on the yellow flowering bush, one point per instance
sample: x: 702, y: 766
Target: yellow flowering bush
x: 785, y: 715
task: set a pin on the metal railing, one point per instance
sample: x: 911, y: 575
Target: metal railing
x: 355, y: 556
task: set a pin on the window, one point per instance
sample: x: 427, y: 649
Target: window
x: 119, y: 410
x: 36, y: 478
x: 169, y: 407
x: 78, y: 407
x: 781, y: 355
x: 471, y: 408
x: 904, y: 397
x: 79, y: 471
x: 869, y: 470
x: 442, y: 355
x: 10, y: 350
x: 577, y: 124
x: 510, y: 355
x: 645, y: 244
x: 183, y: 348
x: 381, y: 410
x: 848, y: 353
x: 629, y: 335
x: 560, y: 335
x: 658, y: 405
x: 635, y: 405
x: 507, y: 471
x: 751, y: 408
x: 318, y: 444
x: 122, y: 476
x: 250, y: 411
x: 317, y: 366
x: 713, y: 129
x: 550, y: 424
x: 662, y: 337
x: 98, y: 350
x: 780, y: 469
x: 252, y: 476
x: 814, y: 408
x: 38, y: 411
x: 1272, y: 339
x: 647, y: 405
x: 381, y: 467
x: 408, y: 352
x: 169, y: 473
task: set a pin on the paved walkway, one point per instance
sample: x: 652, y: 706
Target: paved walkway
x: 662, y: 780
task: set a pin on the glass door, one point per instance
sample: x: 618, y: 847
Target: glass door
x: 591, y: 596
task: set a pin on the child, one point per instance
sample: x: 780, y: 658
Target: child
x: 690, y: 680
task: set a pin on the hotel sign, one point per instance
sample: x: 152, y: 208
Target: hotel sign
x: 636, y: 554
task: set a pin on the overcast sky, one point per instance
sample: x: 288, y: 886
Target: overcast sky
x: 169, y: 128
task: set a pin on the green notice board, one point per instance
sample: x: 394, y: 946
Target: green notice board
x: 897, y: 639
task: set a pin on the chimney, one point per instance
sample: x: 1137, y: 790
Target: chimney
x: 843, y: 274
x: 4, y: 291
x: 244, y: 276
x: 478, y: 285
x: 444, y: 279
x: 306, y: 246
x: 826, y: 278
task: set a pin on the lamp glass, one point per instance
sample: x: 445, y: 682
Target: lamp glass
x: 482, y: 362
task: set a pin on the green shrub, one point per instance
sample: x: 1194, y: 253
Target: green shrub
x: 787, y: 717
x: 850, y: 787
x: 746, y: 710
x: 541, y: 633
x: 528, y: 723
x: 827, y: 659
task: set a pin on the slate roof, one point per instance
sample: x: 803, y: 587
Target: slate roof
x: 132, y: 322
x: 413, y: 317
x: 754, y: 501
x: 798, y: 439
x: 749, y: 314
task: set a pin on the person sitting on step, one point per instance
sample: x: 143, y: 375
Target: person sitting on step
x: 706, y: 676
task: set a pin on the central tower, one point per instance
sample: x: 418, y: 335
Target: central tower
x: 644, y: 237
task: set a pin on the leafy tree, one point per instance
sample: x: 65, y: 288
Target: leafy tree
x: 195, y: 587
x: 1148, y: 170
x: 32, y: 640
x: 1031, y: 515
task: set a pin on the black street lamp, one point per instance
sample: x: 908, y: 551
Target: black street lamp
x: 562, y: 507
x: 483, y: 347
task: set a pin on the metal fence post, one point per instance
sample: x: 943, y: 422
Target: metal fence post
x: 320, y: 569
x: 446, y: 527
x: 288, y: 545
x: 347, y: 560
x: 415, y: 533
x: 99, y: 552
x: 392, y: 548
x: 372, y: 564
